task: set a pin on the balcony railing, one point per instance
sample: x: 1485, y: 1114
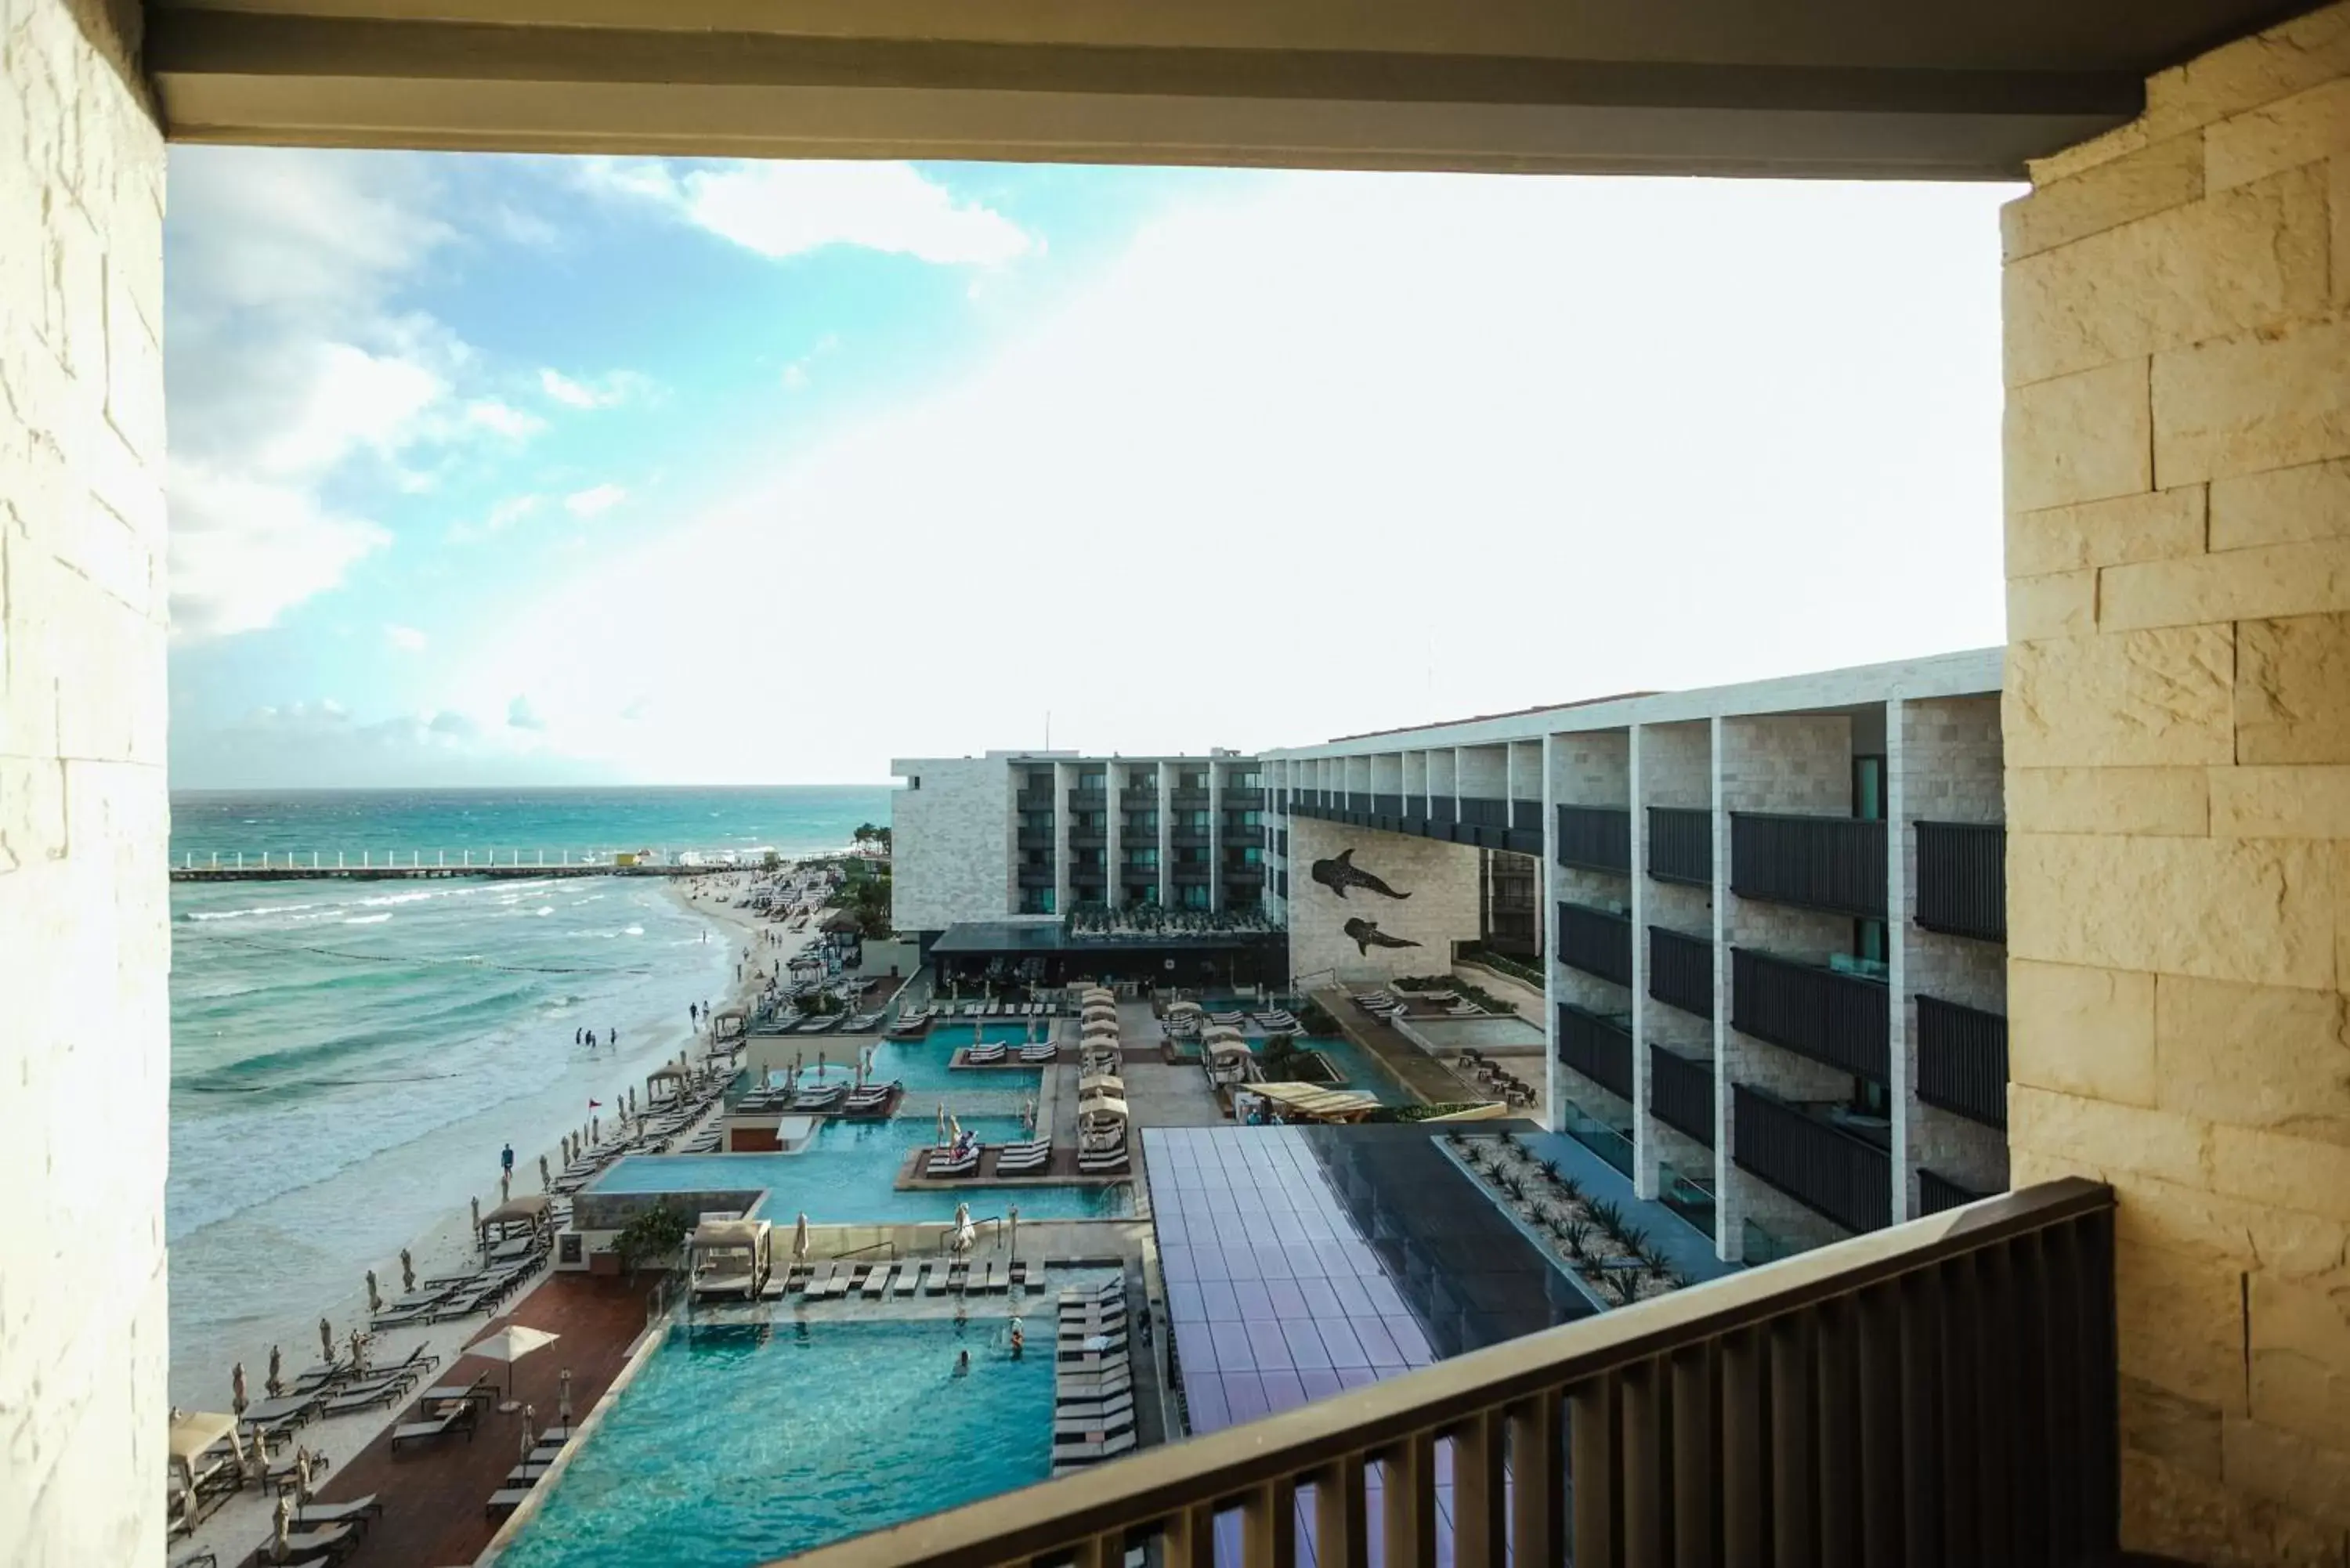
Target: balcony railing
x: 1680, y: 844
x: 1596, y: 941
x: 1244, y: 799
x: 1963, y: 879
x: 1843, y: 1020
x: 1598, y: 1048
x: 1681, y: 970
x: 1088, y: 800
x: 1443, y: 808
x: 1033, y: 800
x: 1088, y: 875
x: 1192, y: 837
x: 1944, y: 1392
x: 1820, y: 862
x: 1482, y: 811
x: 1680, y: 1093
x: 1937, y: 1193
x: 1596, y: 837
x: 1811, y: 1160
x: 1035, y: 876
x: 1141, y: 825
x: 1962, y: 1060
x: 1243, y: 871
x: 1192, y: 870
x: 1244, y: 836
x: 1088, y: 838
x: 1191, y: 800
x: 1035, y: 838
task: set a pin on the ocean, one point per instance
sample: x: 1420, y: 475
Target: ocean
x: 348, y: 1058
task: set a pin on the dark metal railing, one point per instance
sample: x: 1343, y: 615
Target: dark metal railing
x: 1963, y: 879
x: 1190, y: 799
x: 1680, y: 1093
x: 1035, y: 876
x: 1944, y: 1392
x: 1033, y: 800
x: 1243, y: 799
x: 1035, y: 838
x: 1596, y: 941
x: 1680, y: 844
x: 1443, y: 808
x: 1820, y: 862
x: 1596, y: 837
x: 1811, y: 1160
x: 1598, y: 1048
x: 1525, y: 816
x: 1937, y: 1193
x: 1843, y: 1020
x: 1191, y: 838
x: 1962, y: 1060
x: 1385, y: 804
x: 1480, y: 810
x: 1681, y: 970
x: 1088, y: 838
x: 1088, y: 800
x: 1251, y: 836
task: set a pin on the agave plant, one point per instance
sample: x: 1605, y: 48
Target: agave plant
x: 1550, y: 1171
x: 1633, y: 1240
x: 1654, y: 1257
x: 1570, y: 1188
x: 1516, y: 1186
x: 1508, y: 1138
x: 1606, y: 1216
x: 1576, y: 1234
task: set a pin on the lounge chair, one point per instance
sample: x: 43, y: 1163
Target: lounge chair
x: 1045, y: 1051
x: 457, y: 1416
x: 877, y: 1283
x: 934, y: 1280
x: 1080, y: 1345
x: 943, y: 1163
x: 1094, y: 1409
x: 1097, y: 1389
x: 1102, y: 1162
x: 1094, y: 1428
x: 358, y: 1511
x: 303, y: 1543
x: 360, y: 1397
x: 1070, y: 1457
x: 909, y: 1280
x: 506, y: 1500
x: 983, y: 1055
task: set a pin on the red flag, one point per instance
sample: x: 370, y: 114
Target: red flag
x: 595, y: 1104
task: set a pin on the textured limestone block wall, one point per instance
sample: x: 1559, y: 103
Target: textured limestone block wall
x: 953, y: 843
x: 2178, y: 747
x: 1771, y: 764
x: 1945, y: 766
x: 84, y: 945
x: 1676, y: 769
x: 1441, y: 879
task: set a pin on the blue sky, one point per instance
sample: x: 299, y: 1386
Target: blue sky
x: 507, y: 470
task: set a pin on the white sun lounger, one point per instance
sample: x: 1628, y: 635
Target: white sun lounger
x: 908, y: 1281
x: 877, y: 1283
x: 1078, y: 1430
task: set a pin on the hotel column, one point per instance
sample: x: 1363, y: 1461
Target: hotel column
x: 1547, y: 882
x: 1645, y: 1155
x: 1901, y: 1064
x: 1729, y: 1211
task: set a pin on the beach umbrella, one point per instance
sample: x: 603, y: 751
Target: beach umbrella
x: 978, y: 1032
x: 252, y: 1454
x: 281, y: 1539
x: 964, y: 1234
x: 359, y: 1350
x: 567, y: 1148
x: 563, y: 1399
x: 510, y: 1344
x: 302, y: 1473
x: 942, y: 1121
x: 477, y: 1221
x: 407, y: 1272
x: 375, y: 1296
x: 236, y: 1400
x: 529, y: 1439
x: 1035, y: 1027
x: 326, y: 1342
x: 275, y: 1385
x: 595, y: 1130
x: 954, y: 1129
x: 1011, y: 1233
x: 546, y: 1181
x: 800, y: 1239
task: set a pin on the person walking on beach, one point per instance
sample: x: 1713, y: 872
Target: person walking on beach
x: 505, y: 1161
x: 611, y: 1037
x: 579, y: 1037
x: 693, y: 1015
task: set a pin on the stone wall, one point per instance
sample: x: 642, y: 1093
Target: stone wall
x: 954, y: 842
x: 1443, y: 908
x: 2177, y: 719
x: 85, y: 949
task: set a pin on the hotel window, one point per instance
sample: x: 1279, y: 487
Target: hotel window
x: 1251, y: 819
x: 1192, y: 780
x: 1191, y: 856
x: 1096, y: 782
x: 1252, y: 857
x: 1198, y: 819
x: 1143, y: 860
x: 1249, y: 780
x: 1036, y: 821
x: 1142, y: 778
x: 1142, y: 822
x: 1037, y: 902
x: 1195, y: 897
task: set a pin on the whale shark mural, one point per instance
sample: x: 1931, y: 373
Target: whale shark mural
x: 1342, y: 874
x: 1368, y: 935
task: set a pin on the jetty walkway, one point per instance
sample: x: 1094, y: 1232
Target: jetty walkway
x: 277, y: 867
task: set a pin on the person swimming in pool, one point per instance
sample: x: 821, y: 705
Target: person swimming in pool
x: 962, y: 1364
x: 1019, y: 1339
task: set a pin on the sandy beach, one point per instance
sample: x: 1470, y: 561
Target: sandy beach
x: 447, y: 1247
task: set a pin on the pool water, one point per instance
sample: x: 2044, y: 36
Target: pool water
x: 735, y: 1446
x: 947, y: 1032
x: 1363, y: 1071
x: 844, y: 1177
x: 923, y: 1066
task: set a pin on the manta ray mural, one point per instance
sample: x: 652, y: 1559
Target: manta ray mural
x: 1341, y: 873
x: 1368, y: 935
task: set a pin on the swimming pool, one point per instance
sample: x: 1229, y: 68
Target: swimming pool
x: 921, y: 1066
x: 735, y: 1446
x: 950, y: 1032
x: 844, y: 1177
x: 1363, y: 1071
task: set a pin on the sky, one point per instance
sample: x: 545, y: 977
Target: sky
x: 518, y: 469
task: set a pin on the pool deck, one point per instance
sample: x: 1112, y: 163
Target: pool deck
x: 434, y: 1494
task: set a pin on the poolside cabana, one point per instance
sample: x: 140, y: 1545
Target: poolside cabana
x: 1093, y: 994
x: 1309, y: 1103
x: 193, y: 1433
x: 527, y: 1215
x: 665, y: 1084
x: 1094, y: 1010
x: 729, y: 1257
x: 1094, y: 1084
x: 1098, y: 1026
x: 1101, y: 1111
x: 728, y: 1024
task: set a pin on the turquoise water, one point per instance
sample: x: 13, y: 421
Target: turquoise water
x: 733, y: 1447
x: 1362, y: 1070
x: 923, y: 1067
x: 348, y: 1057
x: 947, y: 1032
x: 845, y: 1178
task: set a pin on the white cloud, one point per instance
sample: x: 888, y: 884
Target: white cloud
x: 594, y: 502
x: 294, y: 373
x: 245, y: 549
x: 1688, y: 431
x: 406, y: 639
x: 504, y: 418
x: 788, y: 208
x: 600, y: 392
x: 521, y: 715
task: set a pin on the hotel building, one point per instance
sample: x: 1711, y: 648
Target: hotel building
x: 1775, y: 920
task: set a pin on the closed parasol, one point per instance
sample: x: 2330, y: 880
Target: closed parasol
x: 326, y: 1342
x: 276, y: 1384
x: 407, y: 1272
x: 236, y: 1400
x: 964, y: 1234
x: 375, y: 1296
x: 545, y: 1180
